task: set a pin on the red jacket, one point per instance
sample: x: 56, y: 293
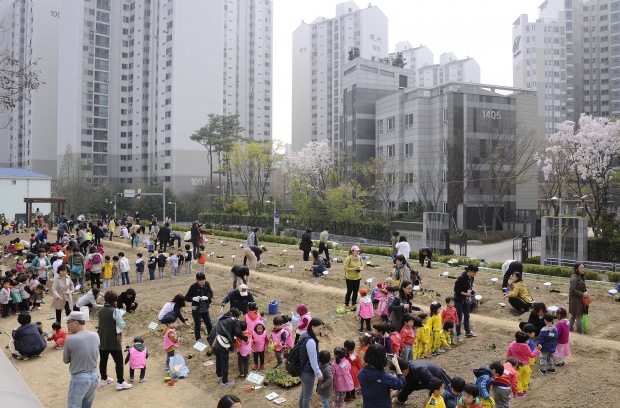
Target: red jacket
x: 449, y: 313
x: 407, y: 336
x: 522, y: 352
x: 509, y: 378
x: 356, y: 366
x: 395, y: 337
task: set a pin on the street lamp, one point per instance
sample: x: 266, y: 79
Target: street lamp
x: 175, y: 211
x: 114, y: 204
x: 583, y: 205
x: 274, y: 215
x: 559, y: 200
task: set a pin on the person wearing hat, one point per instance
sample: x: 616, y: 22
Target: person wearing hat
x: 353, y: 266
x: 81, y: 352
x: 195, y: 234
x: 306, y: 244
x: 239, y: 299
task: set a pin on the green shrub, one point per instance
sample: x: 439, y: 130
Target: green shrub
x: 550, y: 270
x: 613, y: 276
x: 535, y: 260
x: 495, y: 265
x: 264, y: 238
x: 373, y: 250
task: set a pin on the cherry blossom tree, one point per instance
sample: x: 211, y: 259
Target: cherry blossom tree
x: 311, y: 166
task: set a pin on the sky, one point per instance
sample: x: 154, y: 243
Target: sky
x: 481, y: 29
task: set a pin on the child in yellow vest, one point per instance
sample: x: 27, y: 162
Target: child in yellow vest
x: 423, y: 338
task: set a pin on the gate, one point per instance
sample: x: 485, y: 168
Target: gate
x: 457, y: 243
x: 525, y: 247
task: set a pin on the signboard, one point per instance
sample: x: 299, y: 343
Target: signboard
x: 255, y: 378
x: 276, y: 220
x: 276, y: 215
x: 129, y: 193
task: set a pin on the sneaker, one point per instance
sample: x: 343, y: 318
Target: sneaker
x: 262, y: 366
x: 123, y: 386
x: 522, y: 394
x: 142, y: 380
x: 459, y: 338
x: 559, y: 364
x: 347, y: 399
x: 38, y: 307
x: 218, y: 380
x: 470, y: 335
x: 441, y: 351
x: 241, y: 376
x: 551, y: 371
x: 543, y: 372
x: 353, y: 309
x: 130, y: 379
x: 360, y: 331
x: 255, y: 367
x: 228, y: 384
x: 107, y: 381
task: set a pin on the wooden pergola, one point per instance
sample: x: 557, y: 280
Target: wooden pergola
x: 59, y: 201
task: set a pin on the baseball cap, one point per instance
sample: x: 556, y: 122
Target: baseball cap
x: 243, y: 289
x: 363, y: 291
x: 75, y: 316
x: 60, y: 254
x: 355, y: 248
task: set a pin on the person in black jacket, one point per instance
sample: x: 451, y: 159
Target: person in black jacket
x: 463, y: 292
x: 127, y: 300
x: 239, y: 299
x: 515, y: 266
x: 195, y: 232
x: 401, y: 304
x: 419, y: 374
x: 425, y: 253
x: 28, y: 338
x: 201, y: 295
x: 163, y: 236
x: 306, y: 243
x: 227, y: 328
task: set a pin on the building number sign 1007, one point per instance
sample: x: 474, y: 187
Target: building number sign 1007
x: 55, y: 13
x: 491, y: 114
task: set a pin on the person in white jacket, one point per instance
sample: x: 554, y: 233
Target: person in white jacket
x: 89, y: 299
x: 124, y: 262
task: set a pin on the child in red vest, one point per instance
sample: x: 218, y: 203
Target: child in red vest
x: 136, y: 357
x: 356, y: 366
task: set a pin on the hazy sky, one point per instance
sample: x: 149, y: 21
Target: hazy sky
x: 478, y: 28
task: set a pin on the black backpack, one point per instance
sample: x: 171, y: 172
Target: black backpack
x: 293, y: 361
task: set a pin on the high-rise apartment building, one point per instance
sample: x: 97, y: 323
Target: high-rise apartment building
x: 31, y: 35
x: 320, y: 50
x: 138, y: 77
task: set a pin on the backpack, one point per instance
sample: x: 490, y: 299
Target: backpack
x: 327, y: 264
x: 293, y: 362
x: 97, y: 259
x: 16, y: 297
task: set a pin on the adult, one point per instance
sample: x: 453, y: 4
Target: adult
x: 318, y: 265
x: 175, y: 236
x: 137, y: 217
x: 229, y: 401
x: 96, y: 260
x: 247, y: 250
x: 394, y: 241
x: 89, y: 300
x: 425, y: 253
x: 418, y: 374
x: 576, y: 295
x: 519, y: 298
x: 130, y: 221
x: 403, y: 247
x: 537, y: 316
x: 306, y: 243
x: 401, y: 271
x: 82, y: 239
x: 309, y: 361
x: 56, y: 262
x: 240, y: 275
x: 239, y: 299
x: 353, y: 266
x: 76, y: 259
x: 258, y: 251
x: 81, y: 352
x: 111, y: 227
x: 97, y: 232
x: 104, y: 215
x: 401, y: 305
x: 195, y: 234
x: 508, y: 268
x: 28, y: 338
x: 226, y: 329
x: 201, y: 295
x: 375, y: 383
x: 62, y: 289
x: 62, y: 218
x: 63, y: 228
x: 323, y: 243
x: 464, y: 293
x: 153, y: 226
x: 110, y: 341
x: 173, y: 308
x: 134, y: 230
x: 163, y: 236
x: 127, y: 300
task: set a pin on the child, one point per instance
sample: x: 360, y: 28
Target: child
x: 181, y: 261
x: 116, y: 271
x: 252, y: 318
x: 342, y: 380
x: 434, y: 322
x: 422, y: 344
x: 548, y: 341
x: 451, y: 396
x: 563, y: 327
x: 24, y: 291
x: 151, y: 263
x: 139, y: 268
x: 436, y: 389
x: 188, y: 260
x: 19, y: 266
x: 505, y: 382
x: 302, y: 323
x: 325, y: 386
x: 100, y: 249
x: 446, y: 335
x: 364, y: 310
x: 407, y: 336
x: 288, y: 326
x: 449, y: 313
x: 356, y: 366
x: 173, y: 260
x: 520, y: 350
x: 470, y: 397
x: 483, y: 382
x: 171, y: 339
x: 59, y: 337
x: 383, y: 304
x: 202, y: 258
x: 124, y: 264
x: 243, y: 351
x: 365, y: 340
x: 394, y: 338
x: 38, y: 292
x: 259, y: 343
x: 530, y: 330
x: 5, y: 298
x: 106, y: 272
x: 161, y: 263
x: 136, y: 357
x: 278, y: 336
x: 382, y: 336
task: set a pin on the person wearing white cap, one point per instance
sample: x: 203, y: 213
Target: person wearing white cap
x: 239, y: 299
x: 81, y: 352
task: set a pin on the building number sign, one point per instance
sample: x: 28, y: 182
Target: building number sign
x: 491, y: 114
x: 55, y: 13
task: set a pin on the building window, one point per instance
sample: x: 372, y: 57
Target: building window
x: 390, y: 151
x: 408, y: 149
x: 409, y: 178
x: 408, y: 120
x: 390, y: 123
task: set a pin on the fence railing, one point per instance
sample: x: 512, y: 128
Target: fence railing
x: 525, y: 247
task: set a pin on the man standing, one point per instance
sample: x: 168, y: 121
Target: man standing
x: 323, y: 237
x: 196, y: 238
x: 104, y: 215
x: 164, y: 236
x: 81, y: 352
x: 137, y: 217
x: 247, y: 251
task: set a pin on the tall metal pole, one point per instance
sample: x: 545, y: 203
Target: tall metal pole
x: 163, y: 184
x: 274, y: 217
x: 560, y: 235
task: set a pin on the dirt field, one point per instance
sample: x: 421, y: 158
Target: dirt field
x: 591, y: 369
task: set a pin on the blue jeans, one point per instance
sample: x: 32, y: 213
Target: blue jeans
x: 307, y: 387
x: 82, y: 389
x: 325, y: 401
x: 206, y: 317
x: 152, y: 274
x: 463, y: 314
x: 317, y: 271
x: 125, y: 276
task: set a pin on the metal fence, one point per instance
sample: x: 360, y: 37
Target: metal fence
x: 458, y: 243
x: 525, y: 247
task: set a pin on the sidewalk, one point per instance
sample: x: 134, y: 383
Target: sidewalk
x: 499, y: 252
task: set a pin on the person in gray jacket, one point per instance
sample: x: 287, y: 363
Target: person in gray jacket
x: 325, y: 387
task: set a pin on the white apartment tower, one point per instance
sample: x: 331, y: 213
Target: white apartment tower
x: 320, y: 50
x: 138, y: 77
x: 31, y: 35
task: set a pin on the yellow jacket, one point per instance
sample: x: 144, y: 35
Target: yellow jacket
x: 520, y: 291
x: 107, y: 270
x: 351, y: 263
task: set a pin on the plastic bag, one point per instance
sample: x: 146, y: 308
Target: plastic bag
x: 584, y: 323
x: 178, y: 367
x: 86, y: 311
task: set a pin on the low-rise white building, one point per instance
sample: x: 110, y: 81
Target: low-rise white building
x: 17, y: 184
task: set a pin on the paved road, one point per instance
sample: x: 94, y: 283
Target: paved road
x: 500, y: 252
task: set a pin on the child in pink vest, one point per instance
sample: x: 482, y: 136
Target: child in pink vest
x: 171, y: 339
x: 252, y: 318
x: 304, y: 320
x: 136, y: 357
x: 259, y: 343
x: 343, y: 382
x: 243, y: 351
x: 279, y: 337
x: 288, y: 326
x: 364, y: 310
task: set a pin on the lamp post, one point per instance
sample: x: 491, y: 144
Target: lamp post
x: 114, y: 205
x: 274, y: 215
x: 559, y: 200
x: 175, y: 211
x: 221, y: 193
x: 583, y: 205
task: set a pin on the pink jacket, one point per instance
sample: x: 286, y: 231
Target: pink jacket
x: 302, y: 323
x: 137, y: 359
x: 276, y: 337
x: 259, y: 341
x: 522, y: 352
x: 365, y: 310
x: 563, y: 331
x: 246, y: 346
x: 252, y: 318
x: 289, y: 329
x: 168, y: 341
x: 343, y: 381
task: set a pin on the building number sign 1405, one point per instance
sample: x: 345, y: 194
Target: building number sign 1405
x: 491, y: 114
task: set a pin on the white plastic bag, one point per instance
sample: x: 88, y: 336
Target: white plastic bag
x: 178, y: 367
x: 86, y: 311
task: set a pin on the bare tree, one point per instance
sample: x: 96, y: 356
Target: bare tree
x: 384, y: 178
x: 72, y: 183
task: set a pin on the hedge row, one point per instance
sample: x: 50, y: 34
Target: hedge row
x: 373, y: 250
x: 551, y: 271
x: 263, y: 238
x: 613, y: 277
